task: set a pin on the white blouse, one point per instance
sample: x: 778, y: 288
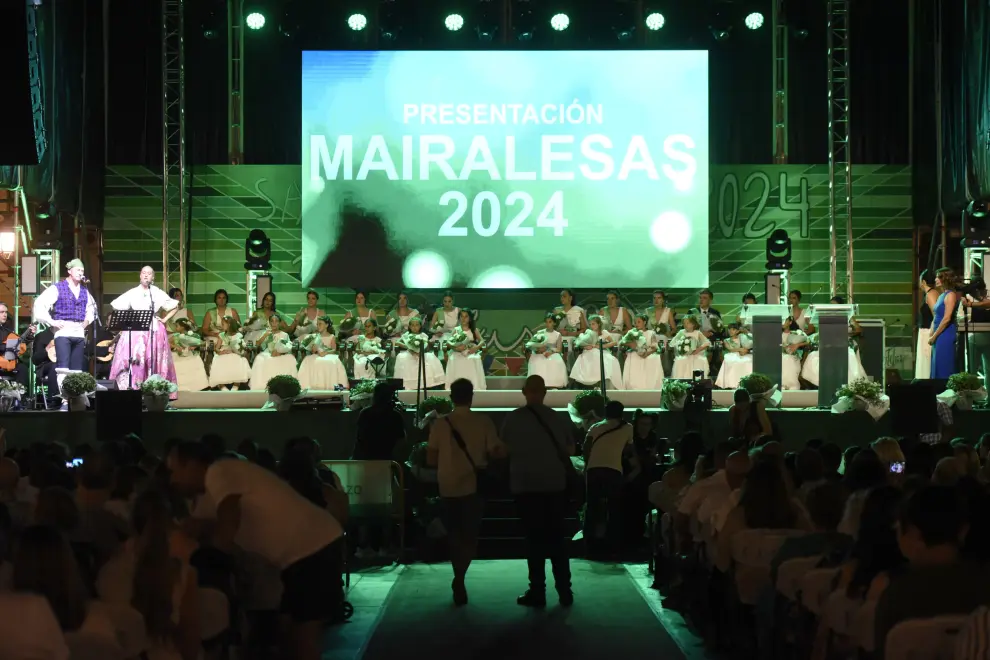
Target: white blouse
x: 139, y: 297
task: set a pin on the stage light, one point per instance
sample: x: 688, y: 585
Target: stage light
x: 487, y: 33
x: 8, y: 243
x: 255, y: 20
x: 454, y: 22
x: 560, y: 22
x: 779, y: 250
x: 257, y: 251
x: 655, y: 21
x: 978, y: 208
x: 975, y: 225
x: 357, y: 22
x: 754, y: 21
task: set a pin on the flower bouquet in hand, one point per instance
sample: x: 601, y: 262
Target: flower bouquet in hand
x: 716, y: 324
x: 458, y: 338
x: 634, y: 337
x: 537, y: 341
x: 661, y: 329
x: 587, y: 339
x: 438, y: 327
x: 390, y: 326
x: 414, y: 343
x: 683, y: 345
x: 790, y: 339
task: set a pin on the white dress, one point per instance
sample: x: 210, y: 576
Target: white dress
x: 190, y: 372
x: 362, y: 363
x: 407, y: 364
x: 618, y: 327
x: 790, y: 363
x: 643, y: 373
x: 403, y: 321
x: 811, y: 365
x: 461, y: 365
x: 548, y: 365
x: 450, y: 321
x: 229, y: 368
x: 276, y: 360
x: 321, y: 372
x: 255, y: 330
x: 666, y: 318
x: 587, y: 369
x: 571, y: 322
x: 735, y: 366
x: 308, y: 326
x: 686, y: 364
x: 923, y: 355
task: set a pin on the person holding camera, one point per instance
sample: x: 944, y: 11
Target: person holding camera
x: 975, y: 299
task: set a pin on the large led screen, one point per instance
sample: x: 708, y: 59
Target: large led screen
x: 435, y: 169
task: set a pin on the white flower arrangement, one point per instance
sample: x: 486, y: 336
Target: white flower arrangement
x: 716, y: 324
x: 862, y: 394
x: 791, y: 338
x: 158, y: 386
x: 390, y: 326
x: 661, y: 329
x: 682, y: 344
x: 414, y: 342
x: 586, y: 339
x: 10, y: 389
x: 458, y: 338
x: 538, y: 339
x: 438, y: 327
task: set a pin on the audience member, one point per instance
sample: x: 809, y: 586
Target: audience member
x: 716, y: 507
x: 948, y: 471
x: 380, y: 427
x: 831, y: 461
x: 809, y: 469
x: 866, y: 471
x: 716, y: 486
x: 824, y: 504
x: 607, y: 444
x: 665, y: 493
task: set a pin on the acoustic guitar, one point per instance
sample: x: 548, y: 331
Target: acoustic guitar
x: 105, y: 345
x: 9, y: 359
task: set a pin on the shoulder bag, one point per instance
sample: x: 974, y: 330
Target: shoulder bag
x: 487, y: 481
x: 574, y: 481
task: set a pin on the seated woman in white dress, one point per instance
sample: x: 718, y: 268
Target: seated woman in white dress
x: 321, y: 369
x: 810, y: 369
x: 368, y: 348
x: 229, y: 366
x: 360, y: 314
x: 791, y: 343
x: 545, y: 359
x: 594, y: 344
x: 690, y: 347
x: 413, y: 345
x: 446, y: 319
x: 617, y: 319
x: 737, y: 360
x: 190, y: 371
x: 643, y: 369
x: 464, y: 353
x: 175, y: 293
x: 275, y: 358
x: 304, y: 323
x: 258, y: 326
x: 400, y: 316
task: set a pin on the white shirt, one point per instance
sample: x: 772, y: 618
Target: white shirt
x: 29, y: 629
x: 139, y: 297
x: 700, y: 491
x: 610, y: 439
x: 277, y: 523
x: 722, y: 510
x: 455, y: 476
x: 44, y: 303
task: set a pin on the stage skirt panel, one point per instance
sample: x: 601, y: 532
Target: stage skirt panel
x: 642, y: 373
x: 552, y: 369
x: 266, y: 366
x: 322, y: 373
x: 145, y: 360
x: 229, y: 369
x: 686, y: 365
x: 471, y: 367
x: 923, y: 356
x: 734, y: 367
x: 190, y: 373
x: 407, y: 368
x: 810, y: 369
x: 790, y: 372
x: 587, y: 369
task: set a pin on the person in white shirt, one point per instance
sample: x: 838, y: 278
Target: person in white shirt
x: 264, y: 515
x: 607, y: 443
x: 716, y: 507
x: 460, y: 446
x: 29, y: 629
x: 140, y: 355
x: 69, y: 308
x: 698, y: 492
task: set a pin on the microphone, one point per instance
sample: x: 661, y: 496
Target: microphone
x: 84, y: 280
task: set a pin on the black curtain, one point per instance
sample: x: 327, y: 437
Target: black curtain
x: 952, y: 52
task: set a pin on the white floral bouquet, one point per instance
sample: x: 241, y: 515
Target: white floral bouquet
x: 188, y: 339
x: 634, y: 336
x: 438, y: 327
x: 457, y: 338
x: 558, y: 318
x: 279, y: 346
x: 156, y: 385
x: 661, y: 329
x: 963, y: 390
x: 586, y: 339
x: 391, y: 323
x: 862, y: 394
x: 791, y: 338
x: 10, y: 389
x: 369, y: 345
x: 682, y: 344
x: 538, y: 339
x: 414, y: 342
x: 716, y: 324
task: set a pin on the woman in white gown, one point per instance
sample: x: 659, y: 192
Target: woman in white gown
x: 446, y: 319
x: 791, y: 343
x: 798, y: 320
x: 368, y: 347
x: 321, y: 369
x: 276, y: 358
x: 411, y: 345
x: 690, y: 347
x: 855, y: 369
x: 573, y: 324
x: 545, y: 360
x: 213, y: 317
x: 926, y: 314
x: 361, y: 313
x: 304, y: 324
x: 465, y: 349
x: 190, y: 372
x: 643, y: 369
x: 175, y: 293
x: 617, y: 319
x: 737, y: 360
x: 258, y: 325
x: 400, y: 316
x: 229, y: 366
x: 587, y: 368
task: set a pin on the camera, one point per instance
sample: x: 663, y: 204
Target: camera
x: 975, y: 289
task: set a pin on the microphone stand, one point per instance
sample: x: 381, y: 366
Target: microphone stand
x: 601, y: 363
x: 421, y: 379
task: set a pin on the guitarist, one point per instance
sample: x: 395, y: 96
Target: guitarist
x: 19, y: 372
x: 43, y: 364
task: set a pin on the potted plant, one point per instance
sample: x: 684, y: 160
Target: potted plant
x: 674, y: 394
x: 761, y: 388
x: 362, y: 393
x: 156, y: 391
x: 76, y: 389
x: 587, y: 408
x: 10, y: 391
x: 963, y: 390
x: 441, y: 404
x: 282, y: 391
x: 862, y: 394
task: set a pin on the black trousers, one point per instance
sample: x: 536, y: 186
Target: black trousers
x: 70, y: 353
x: 543, y: 516
x: 602, y: 517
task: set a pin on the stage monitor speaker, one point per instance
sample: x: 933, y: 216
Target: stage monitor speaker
x: 29, y: 275
x: 263, y: 286
x: 118, y: 413
x: 24, y: 140
x: 913, y: 408
x: 772, y: 289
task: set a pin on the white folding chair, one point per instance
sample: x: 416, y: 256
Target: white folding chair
x: 790, y: 572
x: 925, y: 639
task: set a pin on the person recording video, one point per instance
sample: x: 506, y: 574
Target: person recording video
x: 975, y: 299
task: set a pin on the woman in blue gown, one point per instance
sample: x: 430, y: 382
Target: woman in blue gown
x: 943, y: 338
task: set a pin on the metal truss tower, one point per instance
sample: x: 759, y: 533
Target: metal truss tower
x: 780, y: 40
x: 839, y: 157
x: 175, y: 187
x: 235, y: 81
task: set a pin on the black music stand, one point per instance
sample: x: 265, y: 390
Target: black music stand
x: 130, y: 321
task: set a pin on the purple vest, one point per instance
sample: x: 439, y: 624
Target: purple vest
x: 67, y: 306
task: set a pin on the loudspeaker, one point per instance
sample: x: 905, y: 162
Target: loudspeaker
x: 29, y: 275
x: 772, y: 287
x: 24, y: 141
x: 118, y: 413
x: 913, y: 408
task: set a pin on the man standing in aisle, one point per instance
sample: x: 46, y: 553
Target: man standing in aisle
x: 68, y: 308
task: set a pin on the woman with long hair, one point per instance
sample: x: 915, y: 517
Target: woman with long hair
x: 926, y: 315
x: 321, y: 369
x: 465, y: 352
x: 402, y: 313
x: 304, y: 322
x: 258, y: 325
x: 748, y: 419
x: 212, y: 326
x: 573, y: 324
x: 943, y: 337
x: 276, y: 357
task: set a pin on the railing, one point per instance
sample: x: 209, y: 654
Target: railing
x: 375, y: 489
